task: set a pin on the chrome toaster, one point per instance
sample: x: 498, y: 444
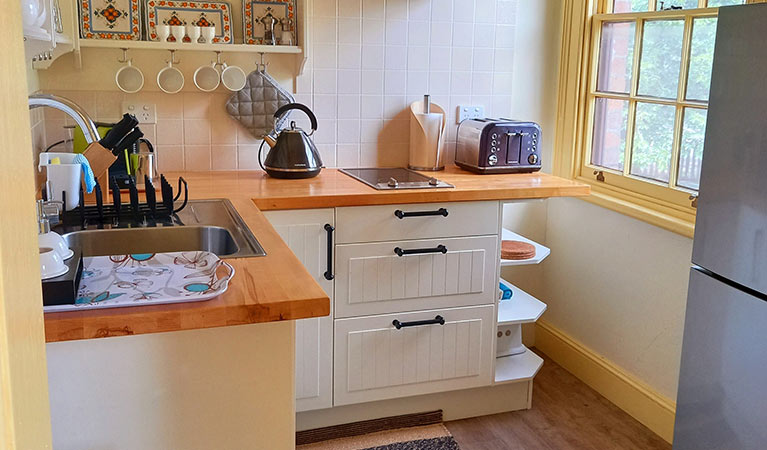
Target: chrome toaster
x: 498, y: 146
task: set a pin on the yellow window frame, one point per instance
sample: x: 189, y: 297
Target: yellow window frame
x: 662, y: 204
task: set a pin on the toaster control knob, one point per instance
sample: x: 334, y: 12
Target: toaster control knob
x: 492, y: 160
x: 533, y: 158
x: 493, y: 149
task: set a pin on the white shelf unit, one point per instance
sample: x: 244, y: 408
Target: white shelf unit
x: 512, y: 313
x: 541, y: 252
x: 185, y: 46
x: 520, y: 308
x: 516, y: 368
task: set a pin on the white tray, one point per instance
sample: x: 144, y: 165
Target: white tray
x: 149, y: 279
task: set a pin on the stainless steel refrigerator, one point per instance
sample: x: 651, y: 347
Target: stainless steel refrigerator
x: 722, y: 399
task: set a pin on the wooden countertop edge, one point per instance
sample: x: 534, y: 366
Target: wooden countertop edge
x: 344, y: 200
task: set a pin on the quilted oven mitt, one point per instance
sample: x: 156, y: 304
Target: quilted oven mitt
x: 254, y: 106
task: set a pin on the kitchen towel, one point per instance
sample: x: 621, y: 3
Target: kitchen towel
x: 254, y: 106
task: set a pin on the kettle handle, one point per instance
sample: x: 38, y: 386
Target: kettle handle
x: 290, y: 106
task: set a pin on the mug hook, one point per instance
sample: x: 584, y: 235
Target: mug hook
x: 173, y: 58
x: 125, y: 56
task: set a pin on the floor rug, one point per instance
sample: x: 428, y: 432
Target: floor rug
x: 429, y: 437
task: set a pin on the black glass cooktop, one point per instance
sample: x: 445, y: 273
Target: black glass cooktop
x: 395, y: 178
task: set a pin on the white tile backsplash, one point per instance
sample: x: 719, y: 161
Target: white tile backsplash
x: 370, y: 60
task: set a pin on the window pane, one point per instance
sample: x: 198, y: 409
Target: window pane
x: 661, y: 58
x: 691, y: 151
x: 717, y: 3
x: 620, y: 6
x: 701, y: 58
x: 676, y: 4
x: 653, y: 139
x: 616, y: 57
x: 610, y: 124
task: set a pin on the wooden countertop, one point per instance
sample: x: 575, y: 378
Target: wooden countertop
x: 277, y: 287
x: 332, y: 188
x: 264, y: 289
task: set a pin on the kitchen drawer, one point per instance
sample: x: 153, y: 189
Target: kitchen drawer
x: 379, y: 223
x: 373, y: 279
x: 375, y: 361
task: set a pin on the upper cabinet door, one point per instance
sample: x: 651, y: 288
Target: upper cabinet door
x: 305, y: 233
x: 731, y: 225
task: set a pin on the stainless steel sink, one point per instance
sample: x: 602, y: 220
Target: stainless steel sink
x: 209, y: 225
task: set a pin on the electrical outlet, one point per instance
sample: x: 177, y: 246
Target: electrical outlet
x: 469, y: 112
x: 144, y: 112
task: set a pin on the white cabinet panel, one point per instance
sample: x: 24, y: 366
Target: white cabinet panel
x: 379, y: 223
x: 304, y: 232
x: 374, y: 360
x: 373, y: 279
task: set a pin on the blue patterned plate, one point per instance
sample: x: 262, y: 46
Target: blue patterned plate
x: 149, y: 279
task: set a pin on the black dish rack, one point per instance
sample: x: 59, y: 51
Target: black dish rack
x: 153, y: 210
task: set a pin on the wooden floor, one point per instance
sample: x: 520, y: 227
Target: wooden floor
x: 566, y: 414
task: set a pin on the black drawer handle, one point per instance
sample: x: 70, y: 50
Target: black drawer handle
x: 401, y: 214
x: 329, y: 273
x: 439, y: 320
x: 415, y: 251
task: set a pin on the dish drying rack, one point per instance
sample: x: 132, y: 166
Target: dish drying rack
x: 154, y: 209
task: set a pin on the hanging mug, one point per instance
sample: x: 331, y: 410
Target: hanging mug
x: 170, y: 79
x: 129, y: 78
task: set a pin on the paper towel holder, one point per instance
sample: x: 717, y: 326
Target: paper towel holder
x: 427, y: 136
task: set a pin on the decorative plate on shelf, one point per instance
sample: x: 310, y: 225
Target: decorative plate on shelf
x: 149, y: 279
x: 202, y: 14
x: 253, y: 11
x: 110, y: 19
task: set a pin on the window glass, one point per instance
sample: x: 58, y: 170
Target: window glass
x: 662, y: 5
x: 701, y: 58
x: 653, y: 141
x: 610, y: 125
x: 620, y: 6
x: 661, y: 58
x: 616, y: 57
x: 718, y: 3
x: 691, y: 150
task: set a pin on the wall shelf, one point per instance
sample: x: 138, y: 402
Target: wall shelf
x: 521, y: 308
x: 516, y: 368
x: 151, y: 45
x: 541, y: 252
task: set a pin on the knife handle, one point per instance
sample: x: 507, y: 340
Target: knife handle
x: 121, y: 128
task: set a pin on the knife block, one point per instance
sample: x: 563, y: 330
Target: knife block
x: 100, y: 159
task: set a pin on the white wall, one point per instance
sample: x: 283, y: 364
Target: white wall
x: 619, y: 286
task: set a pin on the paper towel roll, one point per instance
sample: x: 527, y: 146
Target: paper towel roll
x: 427, y: 137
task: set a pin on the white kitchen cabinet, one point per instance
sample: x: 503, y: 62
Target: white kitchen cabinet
x: 374, y: 278
x: 376, y: 360
x: 305, y: 233
x: 416, y: 221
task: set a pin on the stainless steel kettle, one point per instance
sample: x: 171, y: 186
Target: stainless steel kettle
x: 292, y: 153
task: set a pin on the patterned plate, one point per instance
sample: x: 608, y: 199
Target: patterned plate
x: 203, y: 14
x: 254, y: 10
x: 149, y: 279
x: 110, y: 19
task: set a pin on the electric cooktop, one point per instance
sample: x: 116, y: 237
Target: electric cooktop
x: 395, y: 178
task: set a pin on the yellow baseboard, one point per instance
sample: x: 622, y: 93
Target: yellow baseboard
x: 640, y: 401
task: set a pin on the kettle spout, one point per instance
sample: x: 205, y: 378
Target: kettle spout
x: 270, y: 139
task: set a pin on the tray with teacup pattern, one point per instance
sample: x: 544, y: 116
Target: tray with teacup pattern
x: 254, y: 13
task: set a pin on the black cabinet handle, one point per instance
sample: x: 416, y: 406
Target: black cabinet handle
x: 329, y: 273
x: 439, y: 320
x: 415, y: 251
x: 401, y: 214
